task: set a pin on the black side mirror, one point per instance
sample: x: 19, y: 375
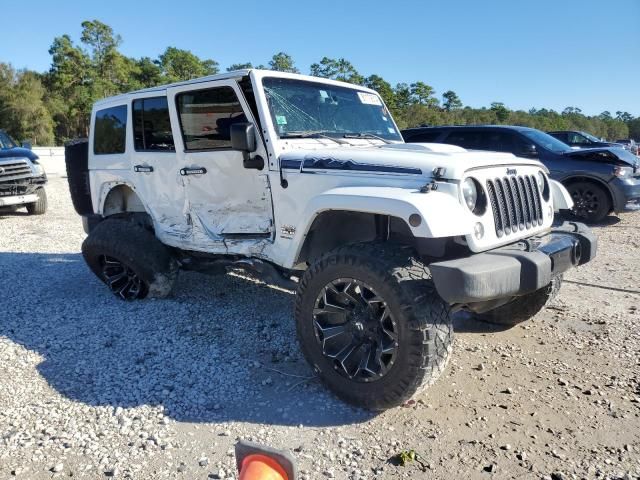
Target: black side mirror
x: 529, y: 150
x: 243, y: 139
x: 26, y: 145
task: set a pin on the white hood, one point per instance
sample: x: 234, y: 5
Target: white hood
x: 409, y: 158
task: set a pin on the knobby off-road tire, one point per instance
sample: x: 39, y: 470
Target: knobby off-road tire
x: 38, y: 207
x: 591, y: 202
x: 397, y: 286
x: 130, y: 260
x: 523, y: 308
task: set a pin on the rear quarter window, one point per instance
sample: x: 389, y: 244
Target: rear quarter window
x: 110, y: 131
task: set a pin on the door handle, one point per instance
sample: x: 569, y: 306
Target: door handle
x: 143, y: 168
x: 193, y: 171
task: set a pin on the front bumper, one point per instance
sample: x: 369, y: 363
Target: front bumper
x: 627, y: 194
x: 18, y: 200
x: 516, y: 269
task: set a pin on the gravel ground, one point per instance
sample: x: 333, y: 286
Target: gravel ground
x: 92, y: 387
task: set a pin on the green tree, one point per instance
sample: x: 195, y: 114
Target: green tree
x: 178, y: 65
x: 112, y: 73
x: 340, y: 69
x: 239, y: 66
x: 634, y: 129
x: 501, y: 112
x: 69, y: 85
x: 147, y: 73
x: 451, y: 101
x: 22, y: 110
x: 624, y: 116
x: 402, y: 94
x: 423, y: 94
x: 283, y: 62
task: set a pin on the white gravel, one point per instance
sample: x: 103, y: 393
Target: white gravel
x: 93, y: 387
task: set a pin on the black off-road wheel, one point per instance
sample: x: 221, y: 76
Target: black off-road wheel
x: 370, y: 322
x: 591, y: 203
x: 38, y: 207
x: 523, y: 308
x: 130, y: 260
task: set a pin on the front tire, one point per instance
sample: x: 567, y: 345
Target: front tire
x: 130, y: 260
x: 591, y: 202
x: 523, y: 308
x: 38, y: 207
x: 372, y: 325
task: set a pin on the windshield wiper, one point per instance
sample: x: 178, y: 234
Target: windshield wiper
x: 312, y: 134
x: 365, y: 135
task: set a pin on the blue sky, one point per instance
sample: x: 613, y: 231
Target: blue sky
x: 536, y: 53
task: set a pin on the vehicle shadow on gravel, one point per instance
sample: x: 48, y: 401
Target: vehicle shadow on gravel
x: 221, y: 349
x: 464, y: 322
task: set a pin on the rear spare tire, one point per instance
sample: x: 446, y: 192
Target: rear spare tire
x: 370, y: 322
x: 130, y: 260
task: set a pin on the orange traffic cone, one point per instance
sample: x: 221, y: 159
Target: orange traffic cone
x: 257, y: 462
x: 261, y: 467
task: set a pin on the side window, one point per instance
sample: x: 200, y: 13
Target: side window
x: 425, y: 137
x: 206, y: 117
x: 151, y: 125
x: 465, y: 139
x: 576, y: 138
x: 497, y: 141
x: 563, y: 137
x: 110, y: 130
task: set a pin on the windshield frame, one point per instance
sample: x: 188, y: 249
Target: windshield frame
x: 329, y: 84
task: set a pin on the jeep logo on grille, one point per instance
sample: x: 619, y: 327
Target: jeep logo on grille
x: 511, y: 171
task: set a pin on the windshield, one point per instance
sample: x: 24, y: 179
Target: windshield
x: 591, y: 137
x: 298, y: 107
x: 6, y: 141
x: 546, y: 141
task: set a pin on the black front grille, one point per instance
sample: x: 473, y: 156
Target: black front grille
x: 515, y: 202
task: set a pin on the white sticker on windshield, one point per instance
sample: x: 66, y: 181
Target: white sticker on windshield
x: 369, y: 98
x: 281, y: 120
x: 324, y: 94
x: 391, y: 130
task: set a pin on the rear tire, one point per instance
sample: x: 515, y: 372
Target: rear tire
x: 38, y: 207
x: 130, y: 260
x: 591, y: 202
x: 382, y: 300
x: 523, y: 308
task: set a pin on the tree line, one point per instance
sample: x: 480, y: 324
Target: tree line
x: 52, y: 107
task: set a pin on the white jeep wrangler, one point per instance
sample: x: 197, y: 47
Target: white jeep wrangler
x: 307, y: 183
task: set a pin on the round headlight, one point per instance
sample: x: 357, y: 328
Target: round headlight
x: 470, y: 193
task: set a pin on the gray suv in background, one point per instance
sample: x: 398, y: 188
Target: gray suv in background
x: 600, y: 180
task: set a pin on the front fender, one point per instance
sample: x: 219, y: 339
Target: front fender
x: 561, y: 198
x: 442, y: 214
